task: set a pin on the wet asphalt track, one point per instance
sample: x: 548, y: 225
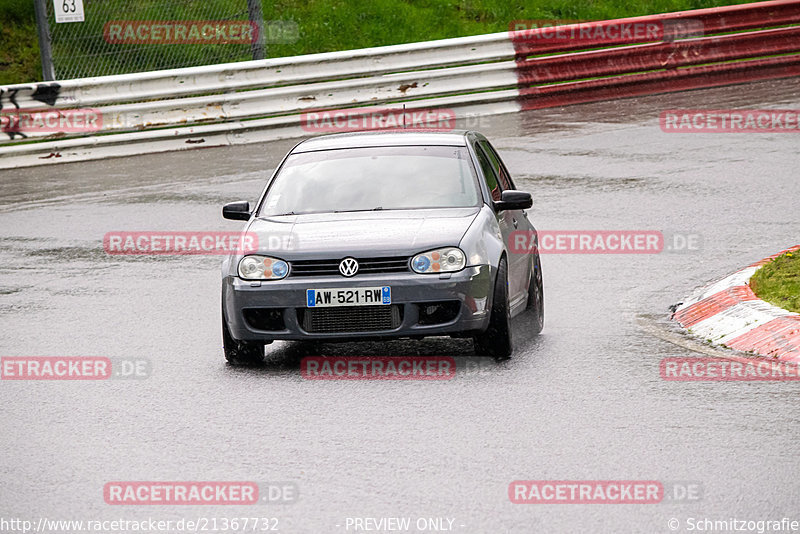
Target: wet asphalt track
x: 583, y: 401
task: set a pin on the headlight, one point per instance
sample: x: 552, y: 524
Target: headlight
x: 262, y: 268
x: 442, y: 260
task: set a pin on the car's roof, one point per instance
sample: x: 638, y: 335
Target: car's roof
x: 383, y: 138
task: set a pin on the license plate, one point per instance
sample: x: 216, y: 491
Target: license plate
x: 359, y: 296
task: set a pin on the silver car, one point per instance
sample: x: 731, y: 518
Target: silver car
x: 383, y: 235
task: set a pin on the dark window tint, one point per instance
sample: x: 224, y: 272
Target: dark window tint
x: 505, y: 179
x: 489, y: 173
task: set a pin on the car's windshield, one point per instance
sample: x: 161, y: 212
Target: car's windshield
x: 374, y: 178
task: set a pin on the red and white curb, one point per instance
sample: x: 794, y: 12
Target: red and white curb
x: 728, y: 313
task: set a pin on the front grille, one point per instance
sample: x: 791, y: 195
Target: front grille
x: 350, y: 319
x: 394, y: 264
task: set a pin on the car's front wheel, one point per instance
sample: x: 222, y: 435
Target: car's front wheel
x: 496, y: 340
x: 244, y: 353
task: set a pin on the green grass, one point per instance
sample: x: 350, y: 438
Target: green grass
x: 19, y: 48
x: 778, y: 282
x: 325, y: 25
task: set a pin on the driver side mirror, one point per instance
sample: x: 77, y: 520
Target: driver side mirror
x: 513, y: 200
x: 237, y: 211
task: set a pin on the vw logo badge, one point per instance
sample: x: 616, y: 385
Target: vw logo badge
x: 348, y: 267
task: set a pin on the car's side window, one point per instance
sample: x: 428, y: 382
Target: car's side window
x: 505, y: 179
x: 489, y: 173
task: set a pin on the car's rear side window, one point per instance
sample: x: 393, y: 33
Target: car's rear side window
x: 489, y: 173
x: 500, y: 170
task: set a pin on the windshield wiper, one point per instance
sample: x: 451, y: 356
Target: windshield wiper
x: 379, y: 208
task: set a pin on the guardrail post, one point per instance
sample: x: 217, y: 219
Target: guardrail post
x: 257, y: 17
x: 43, y: 29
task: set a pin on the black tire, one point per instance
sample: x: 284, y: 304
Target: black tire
x: 242, y: 353
x: 535, y: 307
x: 496, y: 340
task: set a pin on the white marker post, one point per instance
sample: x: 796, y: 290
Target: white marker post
x: 68, y: 10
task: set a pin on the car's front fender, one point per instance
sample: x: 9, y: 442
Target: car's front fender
x: 483, y: 241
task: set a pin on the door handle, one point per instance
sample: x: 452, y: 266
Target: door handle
x: 516, y: 224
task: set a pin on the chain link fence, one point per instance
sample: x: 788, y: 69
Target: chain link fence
x: 125, y: 36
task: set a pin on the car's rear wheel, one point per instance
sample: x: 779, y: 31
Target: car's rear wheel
x: 535, y: 307
x: 244, y: 353
x: 496, y: 340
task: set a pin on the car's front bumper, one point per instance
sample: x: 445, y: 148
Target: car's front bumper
x: 281, y: 312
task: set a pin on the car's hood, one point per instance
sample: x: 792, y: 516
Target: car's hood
x: 361, y: 234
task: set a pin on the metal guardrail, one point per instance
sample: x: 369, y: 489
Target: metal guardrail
x: 488, y: 74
